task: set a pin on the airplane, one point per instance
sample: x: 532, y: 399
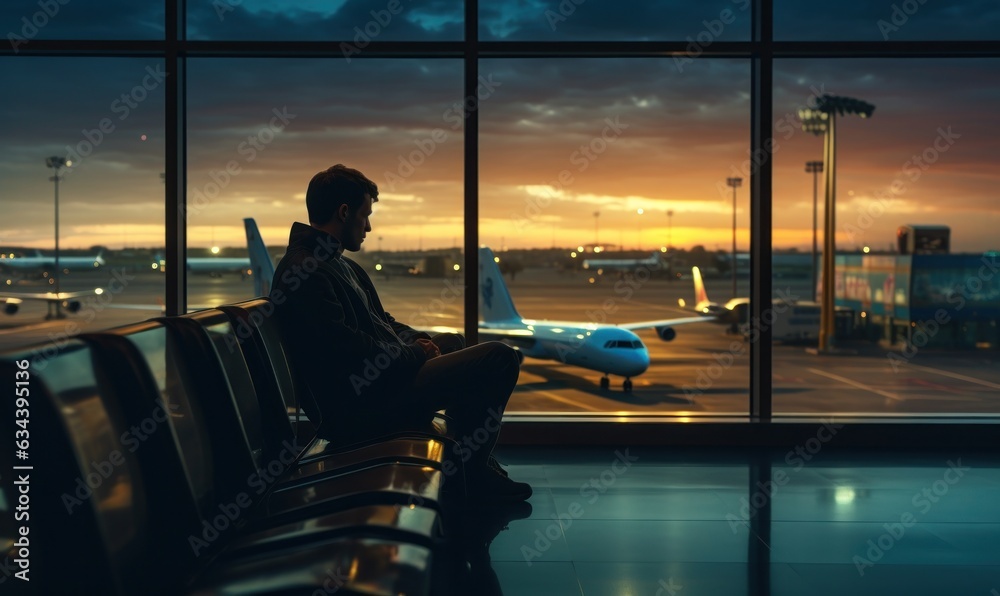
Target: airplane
x: 605, y: 348
x: 733, y: 312
x: 609, y: 349
x: 68, y: 300
x: 213, y: 266
x: 45, y: 264
x: 71, y: 301
x: 653, y: 263
x: 791, y: 319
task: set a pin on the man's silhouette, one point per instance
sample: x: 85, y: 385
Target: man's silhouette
x: 368, y: 373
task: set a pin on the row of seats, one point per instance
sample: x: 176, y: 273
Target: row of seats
x: 167, y: 457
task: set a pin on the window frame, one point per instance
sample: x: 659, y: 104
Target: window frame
x: 762, y: 50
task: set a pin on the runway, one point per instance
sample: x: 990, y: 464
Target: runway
x: 702, y: 372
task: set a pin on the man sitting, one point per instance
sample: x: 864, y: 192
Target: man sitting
x: 370, y: 374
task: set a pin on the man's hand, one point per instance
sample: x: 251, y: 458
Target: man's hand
x: 430, y: 348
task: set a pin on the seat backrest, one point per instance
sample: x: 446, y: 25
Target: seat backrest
x: 207, y: 435
x: 226, y: 383
x: 260, y: 340
x: 98, y: 484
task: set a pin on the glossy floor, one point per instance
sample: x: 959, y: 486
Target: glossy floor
x: 647, y: 522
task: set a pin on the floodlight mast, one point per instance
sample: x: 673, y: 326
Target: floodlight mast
x: 822, y: 119
x: 56, y: 163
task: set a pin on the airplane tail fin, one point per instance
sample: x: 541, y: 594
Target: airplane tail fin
x: 700, y: 295
x: 260, y: 260
x: 494, y: 299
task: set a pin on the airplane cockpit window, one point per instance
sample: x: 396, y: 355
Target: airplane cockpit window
x: 623, y: 343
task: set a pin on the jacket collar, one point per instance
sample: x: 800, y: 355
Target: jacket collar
x: 322, y: 245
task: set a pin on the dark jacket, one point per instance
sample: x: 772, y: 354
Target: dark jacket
x: 354, y: 358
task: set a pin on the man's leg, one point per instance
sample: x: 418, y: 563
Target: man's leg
x: 472, y: 386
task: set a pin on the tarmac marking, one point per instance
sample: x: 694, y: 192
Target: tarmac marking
x: 568, y: 401
x: 954, y: 375
x: 35, y: 326
x: 854, y: 383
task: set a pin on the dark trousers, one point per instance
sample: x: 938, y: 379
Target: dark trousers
x: 472, y: 386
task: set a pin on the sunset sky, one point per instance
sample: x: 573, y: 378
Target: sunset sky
x: 624, y: 134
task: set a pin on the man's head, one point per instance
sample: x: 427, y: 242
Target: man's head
x: 339, y: 201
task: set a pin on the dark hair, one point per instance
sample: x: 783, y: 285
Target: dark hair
x: 336, y: 186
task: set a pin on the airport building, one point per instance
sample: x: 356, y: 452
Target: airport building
x: 943, y: 301
x: 157, y: 434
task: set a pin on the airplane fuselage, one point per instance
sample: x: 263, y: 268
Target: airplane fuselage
x: 49, y: 263
x: 604, y: 348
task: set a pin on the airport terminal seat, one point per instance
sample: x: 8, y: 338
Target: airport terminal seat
x: 259, y: 340
x: 93, y: 522
x: 213, y: 353
x: 98, y: 408
x: 223, y: 493
x: 256, y: 317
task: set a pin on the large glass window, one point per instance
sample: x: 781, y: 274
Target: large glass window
x: 895, y: 20
x: 700, y: 23
x: 612, y: 188
x: 915, y: 329
x: 25, y: 21
x: 260, y: 129
x: 600, y: 190
x: 83, y: 136
x: 356, y: 24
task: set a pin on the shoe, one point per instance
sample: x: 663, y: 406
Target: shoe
x: 494, y: 485
x: 493, y: 463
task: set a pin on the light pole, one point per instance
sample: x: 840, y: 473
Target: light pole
x: 597, y: 241
x: 670, y: 229
x: 56, y: 163
x: 640, y: 211
x: 822, y: 119
x: 734, y: 183
x: 814, y: 168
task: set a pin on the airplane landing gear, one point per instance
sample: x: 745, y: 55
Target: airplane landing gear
x: 605, y: 382
x: 627, y: 386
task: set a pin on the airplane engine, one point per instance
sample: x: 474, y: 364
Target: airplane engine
x: 666, y: 333
x: 73, y: 306
x: 10, y: 308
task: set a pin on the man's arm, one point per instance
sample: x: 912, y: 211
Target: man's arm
x: 322, y: 329
x: 405, y: 332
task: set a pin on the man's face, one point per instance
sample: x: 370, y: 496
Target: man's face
x: 357, y: 226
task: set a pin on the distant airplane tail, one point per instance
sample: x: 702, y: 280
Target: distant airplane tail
x: 494, y: 299
x: 700, y: 295
x: 260, y: 260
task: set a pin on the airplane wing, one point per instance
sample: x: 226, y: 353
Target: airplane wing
x: 16, y: 297
x: 665, y: 323
x: 522, y: 337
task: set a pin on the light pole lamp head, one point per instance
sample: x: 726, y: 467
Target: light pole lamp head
x: 734, y: 182
x: 56, y: 162
x: 814, y: 121
x: 844, y: 105
x: 813, y: 167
